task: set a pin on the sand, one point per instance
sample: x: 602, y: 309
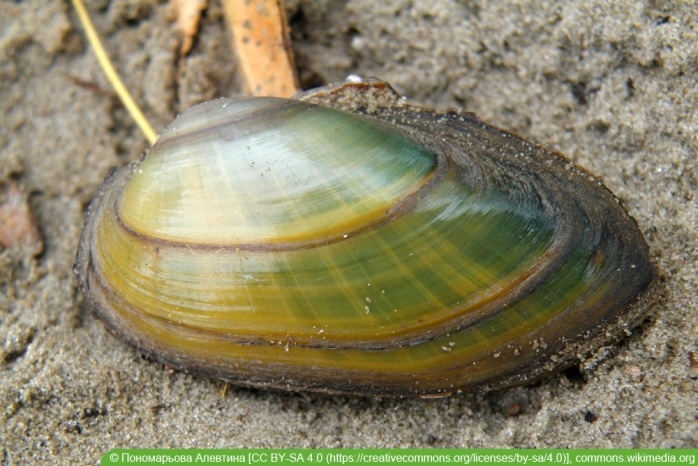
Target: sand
x: 614, y: 85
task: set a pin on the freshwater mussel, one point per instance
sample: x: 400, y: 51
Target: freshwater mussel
x: 345, y: 241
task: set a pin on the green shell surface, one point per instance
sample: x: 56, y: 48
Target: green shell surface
x: 386, y: 250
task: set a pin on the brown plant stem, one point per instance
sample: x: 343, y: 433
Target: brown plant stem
x: 261, y: 42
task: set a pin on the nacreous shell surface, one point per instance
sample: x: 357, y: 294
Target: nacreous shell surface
x: 273, y: 242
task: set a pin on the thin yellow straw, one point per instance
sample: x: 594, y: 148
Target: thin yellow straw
x: 113, y: 77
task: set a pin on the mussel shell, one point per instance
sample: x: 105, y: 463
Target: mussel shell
x: 360, y: 246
